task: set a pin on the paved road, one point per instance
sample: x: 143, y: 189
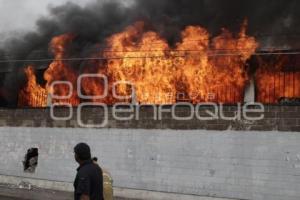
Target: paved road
x: 11, y: 198
x: 8, y: 193
x: 8, y: 198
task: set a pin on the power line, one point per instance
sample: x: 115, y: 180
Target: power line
x: 161, y: 50
x: 185, y: 50
x: 174, y: 50
x: 143, y: 57
x: 260, y: 35
x: 179, y: 42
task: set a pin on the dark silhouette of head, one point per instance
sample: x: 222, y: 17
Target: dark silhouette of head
x: 95, y: 159
x: 82, y: 152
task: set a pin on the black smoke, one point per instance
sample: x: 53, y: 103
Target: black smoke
x: 274, y: 23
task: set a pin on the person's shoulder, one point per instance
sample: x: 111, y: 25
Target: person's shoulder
x: 91, y: 167
x: 96, y: 166
x: 85, y: 169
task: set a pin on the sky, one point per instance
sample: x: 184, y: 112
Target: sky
x: 21, y: 15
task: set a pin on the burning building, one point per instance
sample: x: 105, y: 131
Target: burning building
x: 167, y: 57
x: 197, y: 69
x: 157, y: 52
x: 278, y: 77
x: 194, y: 68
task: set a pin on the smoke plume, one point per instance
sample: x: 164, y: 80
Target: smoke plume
x: 274, y: 23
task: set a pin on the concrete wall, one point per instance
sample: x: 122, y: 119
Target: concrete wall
x: 240, y: 164
x: 281, y: 118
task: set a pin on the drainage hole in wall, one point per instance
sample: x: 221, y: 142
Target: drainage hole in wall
x: 31, y: 160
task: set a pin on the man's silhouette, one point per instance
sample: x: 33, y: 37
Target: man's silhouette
x: 88, y: 183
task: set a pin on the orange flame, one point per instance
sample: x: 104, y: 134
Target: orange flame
x: 32, y: 95
x: 274, y: 83
x: 59, y: 70
x: 199, y: 68
x: 143, y: 61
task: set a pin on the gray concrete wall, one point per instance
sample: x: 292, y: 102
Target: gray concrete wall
x: 281, y: 118
x: 241, y: 165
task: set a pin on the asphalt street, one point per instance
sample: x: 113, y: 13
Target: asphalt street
x: 12, y: 198
x: 8, y: 192
x: 9, y: 198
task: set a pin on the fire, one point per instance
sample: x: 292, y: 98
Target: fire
x: 144, y: 62
x: 37, y: 96
x: 198, y: 68
x: 217, y: 68
x: 32, y: 95
x: 276, y: 83
x: 59, y: 70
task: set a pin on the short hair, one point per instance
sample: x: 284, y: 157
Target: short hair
x: 83, y: 151
x: 95, y: 159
